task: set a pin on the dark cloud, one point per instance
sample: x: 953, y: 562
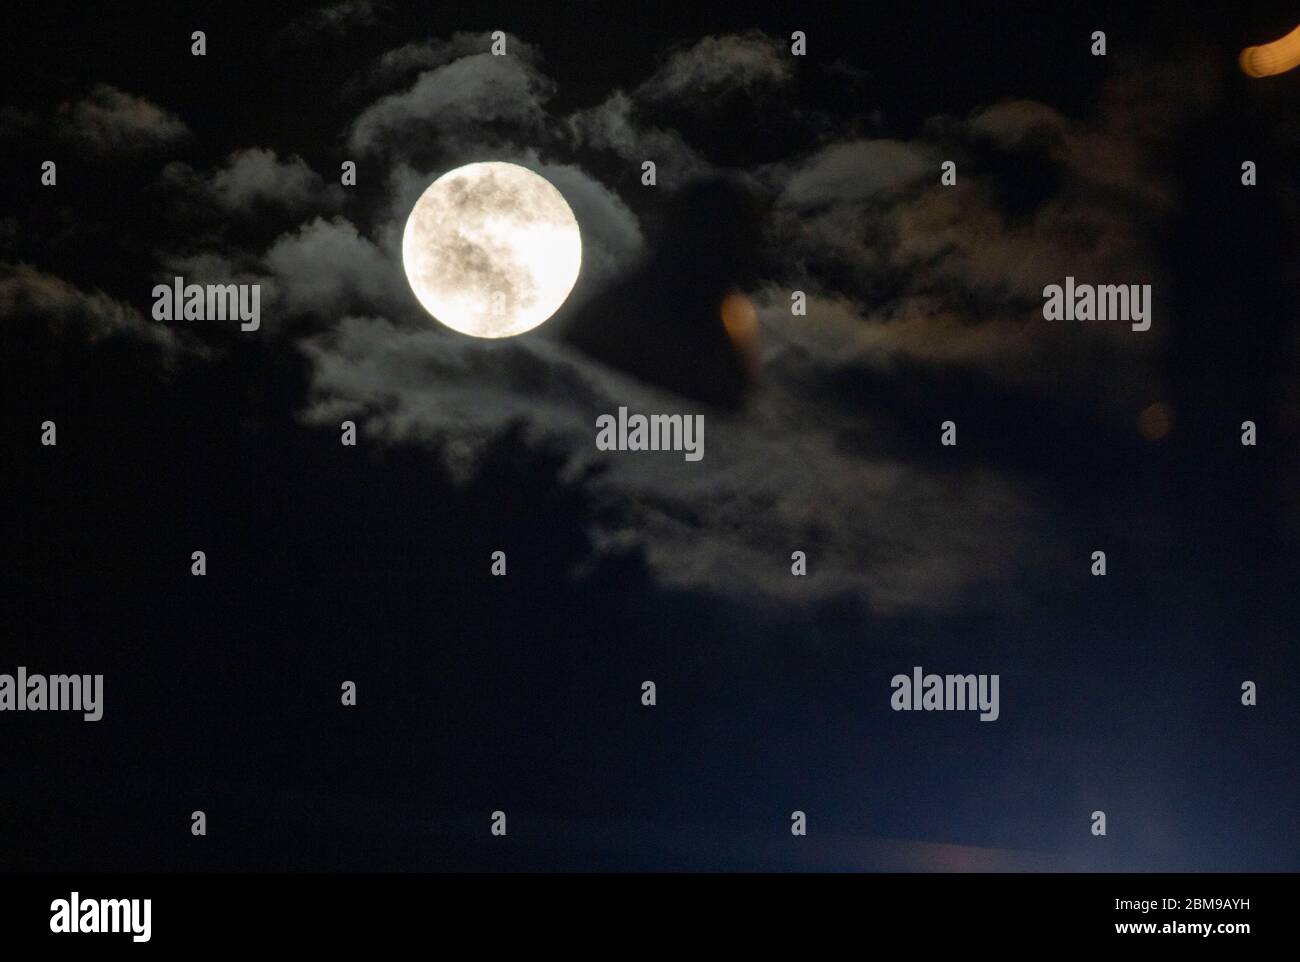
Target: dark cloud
x: 336, y: 19
x: 673, y: 116
x: 953, y: 276
x: 111, y: 120
x: 8, y: 232
x: 715, y: 66
x: 774, y: 475
x: 17, y: 123
x: 611, y: 126
x: 27, y: 293
x: 663, y: 322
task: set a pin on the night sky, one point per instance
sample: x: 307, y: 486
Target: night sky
x: 522, y: 693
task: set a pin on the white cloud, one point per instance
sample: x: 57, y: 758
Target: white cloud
x: 858, y: 170
x: 453, y: 101
x: 327, y: 264
x: 256, y: 175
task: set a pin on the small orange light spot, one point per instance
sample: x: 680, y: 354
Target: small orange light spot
x: 1155, y: 421
x: 740, y: 321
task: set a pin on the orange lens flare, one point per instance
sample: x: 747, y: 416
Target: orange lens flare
x: 741, y: 323
x: 1270, y: 59
x: 1155, y: 421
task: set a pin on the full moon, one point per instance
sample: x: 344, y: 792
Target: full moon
x: 491, y: 249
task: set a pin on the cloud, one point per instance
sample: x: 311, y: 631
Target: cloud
x: 905, y: 276
x: 210, y: 267
x: 463, y: 104
x: 718, y: 65
x: 909, y: 283
x: 774, y: 478
x: 397, y: 65
x: 610, y: 126
x: 17, y: 123
x: 73, y: 313
x: 112, y: 120
x: 330, y: 266
x: 327, y: 265
x: 857, y: 170
x: 952, y: 276
x: 742, y: 83
x: 457, y: 102
x: 611, y: 235
x: 1013, y: 123
x: 671, y: 118
x: 318, y: 261
x: 337, y: 19
x: 256, y: 176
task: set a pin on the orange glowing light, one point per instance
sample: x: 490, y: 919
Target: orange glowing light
x: 1273, y: 58
x: 1155, y: 421
x: 740, y: 320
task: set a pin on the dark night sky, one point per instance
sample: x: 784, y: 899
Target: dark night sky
x: 522, y: 693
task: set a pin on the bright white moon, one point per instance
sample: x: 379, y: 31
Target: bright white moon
x: 491, y: 249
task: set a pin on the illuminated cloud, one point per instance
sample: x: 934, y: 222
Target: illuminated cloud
x: 109, y: 119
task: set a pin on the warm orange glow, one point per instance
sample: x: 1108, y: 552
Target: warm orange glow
x: 741, y: 323
x: 1155, y: 421
x: 1272, y: 58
